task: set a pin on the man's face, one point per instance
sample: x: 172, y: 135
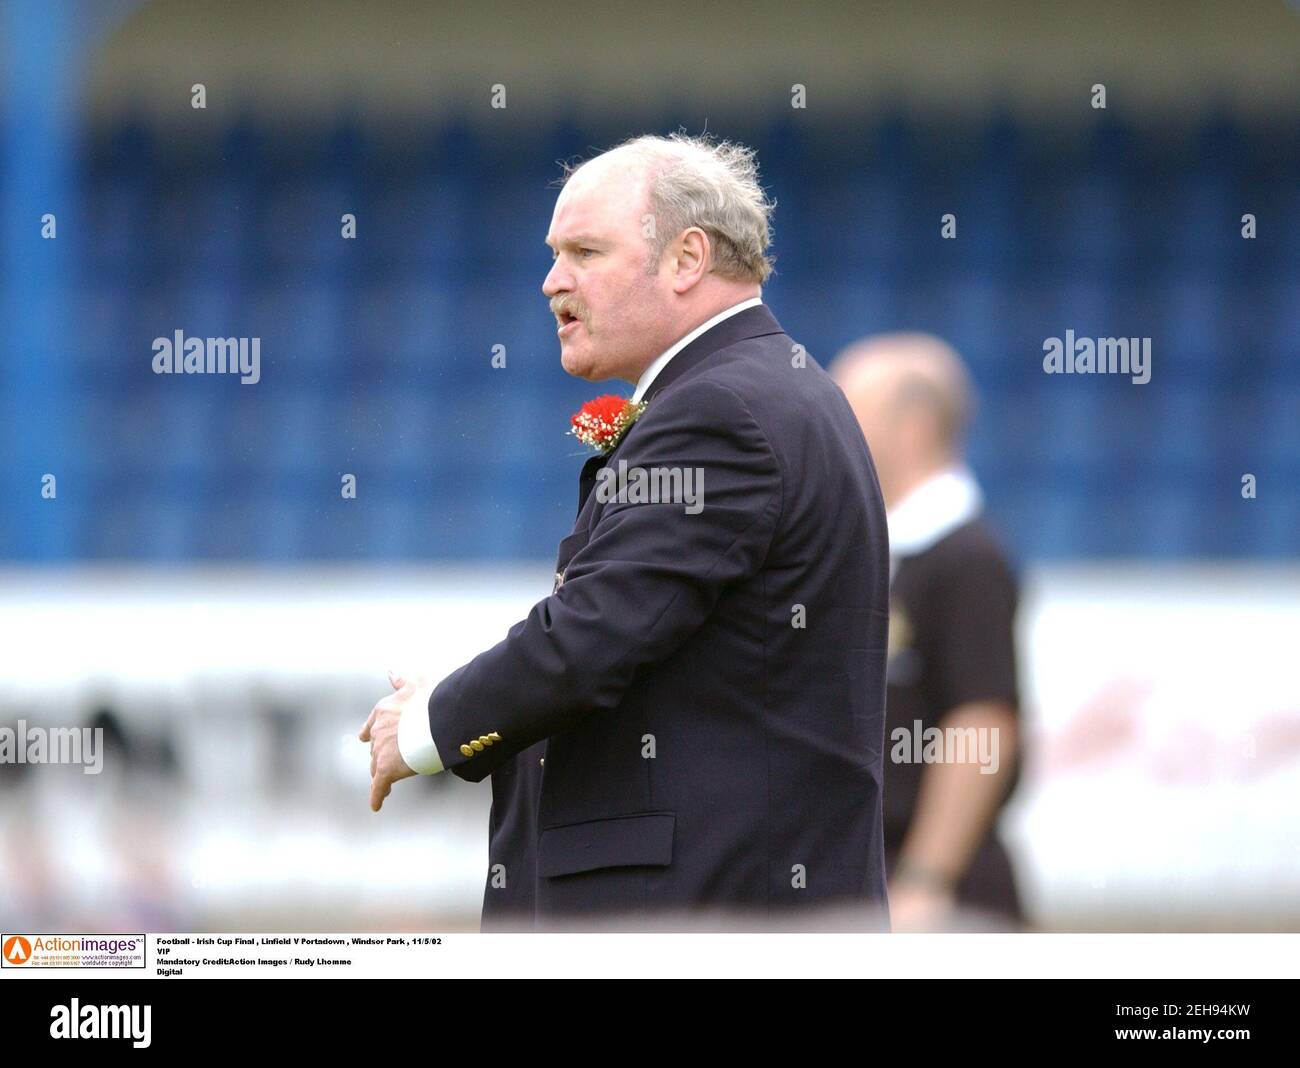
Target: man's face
x: 613, y: 319
x: 869, y: 392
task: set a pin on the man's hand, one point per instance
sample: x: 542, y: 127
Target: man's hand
x: 915, y: 908
x: 386, y: 763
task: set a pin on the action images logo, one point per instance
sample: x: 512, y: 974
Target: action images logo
x: 72, y: 951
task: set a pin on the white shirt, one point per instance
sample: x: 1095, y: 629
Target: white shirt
x: 931, y: 511
x: 652, y: 372
x: 414, y: 735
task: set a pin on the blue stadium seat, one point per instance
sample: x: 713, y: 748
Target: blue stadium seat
x: 376, y: 352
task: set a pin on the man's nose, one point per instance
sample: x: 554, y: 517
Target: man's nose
x: 557, y: 280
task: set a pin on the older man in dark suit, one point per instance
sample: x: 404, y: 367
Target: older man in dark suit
x: 694, y: 718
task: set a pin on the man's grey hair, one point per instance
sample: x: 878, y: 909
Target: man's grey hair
x: 695, y: 181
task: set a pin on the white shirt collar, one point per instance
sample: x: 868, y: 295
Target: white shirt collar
x: 932, y: 510
x: 652, y: 372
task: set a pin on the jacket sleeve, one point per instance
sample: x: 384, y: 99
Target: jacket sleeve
x: 647, y: 578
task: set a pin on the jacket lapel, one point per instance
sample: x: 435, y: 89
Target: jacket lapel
x: 587, y: 480
x: 757, y: 321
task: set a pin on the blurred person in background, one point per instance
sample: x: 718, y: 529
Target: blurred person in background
x: 952, y: 659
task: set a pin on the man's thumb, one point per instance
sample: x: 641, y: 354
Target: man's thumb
x: 395, y: 679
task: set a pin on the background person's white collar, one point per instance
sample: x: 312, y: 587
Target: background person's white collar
x: 651, y: 372
x: 933, y: 510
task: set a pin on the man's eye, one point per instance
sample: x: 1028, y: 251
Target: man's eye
x: 585, y: 250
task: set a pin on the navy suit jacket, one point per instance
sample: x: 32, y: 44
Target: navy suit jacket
x: 694, y: 718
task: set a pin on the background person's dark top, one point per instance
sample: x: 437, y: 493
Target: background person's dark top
x: 951, y: 642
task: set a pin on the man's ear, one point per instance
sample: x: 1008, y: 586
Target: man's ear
x: 692, y: 251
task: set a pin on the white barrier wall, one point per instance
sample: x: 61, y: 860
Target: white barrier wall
x: 1164, y: 785
x: 1161, y: 788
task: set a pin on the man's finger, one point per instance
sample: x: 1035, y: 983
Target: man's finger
x: 365, y: 731
x: 380, y: 787
x: 395, y: 679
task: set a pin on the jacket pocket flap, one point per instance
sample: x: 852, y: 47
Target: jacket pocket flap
x: 620, y: 841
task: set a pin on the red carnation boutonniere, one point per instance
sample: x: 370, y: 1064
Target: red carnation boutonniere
x: 602, y: 422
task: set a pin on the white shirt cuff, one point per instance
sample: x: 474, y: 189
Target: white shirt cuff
x: 415, y: 741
